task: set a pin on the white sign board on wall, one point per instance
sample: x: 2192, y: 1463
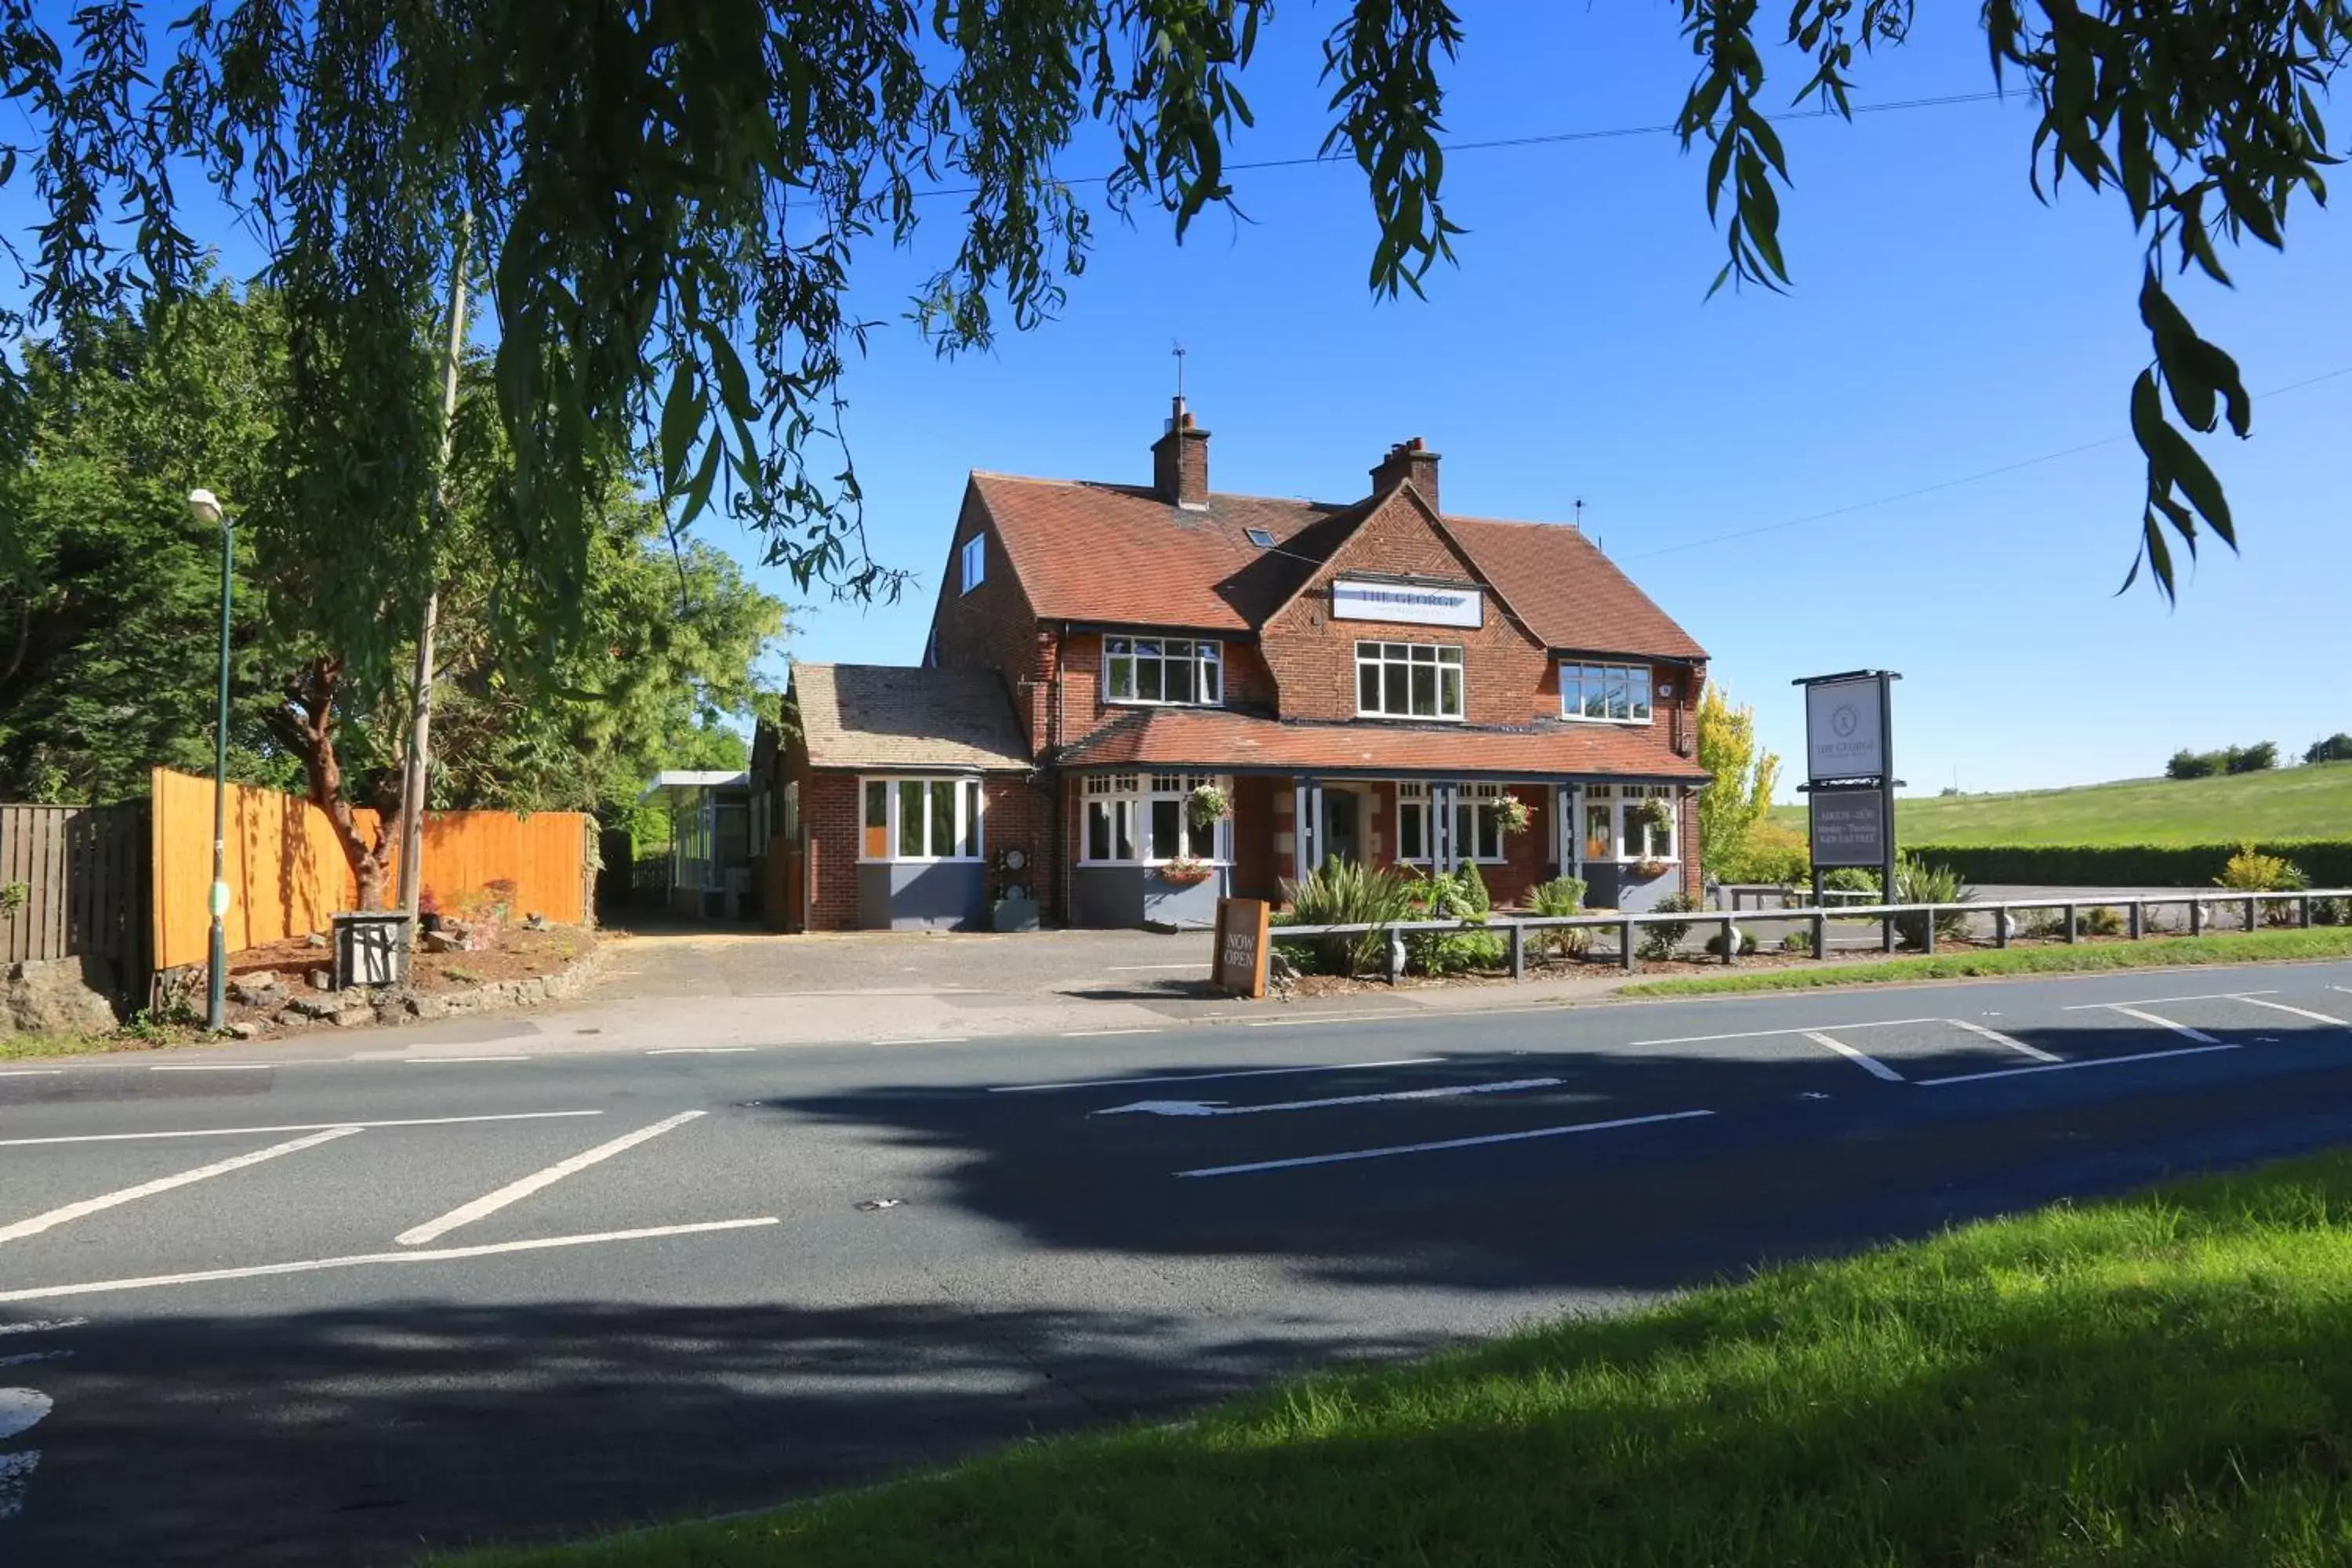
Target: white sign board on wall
x: 1407, y: 604
x: 1845, y: 730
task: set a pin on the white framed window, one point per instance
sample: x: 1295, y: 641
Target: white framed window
x: 974, y: 566
x: 1408, y: 680
x: 1619, y: 825
x: 1477, y: 823
x: 1175, y: 671
x: 1605, y: 693
x: 924, y: 818
x: 1146, y: 820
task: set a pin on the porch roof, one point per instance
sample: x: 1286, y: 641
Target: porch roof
x: 677, y: 782
x: 1239, y: 742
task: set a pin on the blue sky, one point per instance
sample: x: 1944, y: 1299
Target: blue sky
x: 1944, y: 324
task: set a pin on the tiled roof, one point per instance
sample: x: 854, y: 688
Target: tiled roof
x: 891, y: 716
x: 1118, y: 554
x: 1198, y: 737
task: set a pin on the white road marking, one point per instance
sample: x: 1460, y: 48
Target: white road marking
x: 921, y: 1041
x: 364, y: 1260
x: 2069, y: 1066
x: 515, y: 1192
x: 2298, y: 1012
x: 1435, y: 1147
x: 31, y: 1072
x: 1207, y: 1077
x: 31, y: 1356
x: 1136, y: 968
x: 1321, y: 1018
x: 211, y: 1066
x: 42, y: 1325
x: 1997, y: 1038
x: 2160, y: 1001
x: 457, y: 1061
x: 2199, y: 1036
x: 15, y: 1469
x: 21, y: 1410
x: 297, y: 1127
x: 88, y: 1206
x: 1861, y: 1059
x: 1766, y: 1034
x: 1219, y: 1107
x: 699, y: 1050
x: 1089, y: 1034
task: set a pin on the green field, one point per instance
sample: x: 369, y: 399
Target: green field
x: 2162, y: 1379
x: 2285, y: 803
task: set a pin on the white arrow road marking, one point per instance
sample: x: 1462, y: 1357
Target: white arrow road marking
x: 1866, y: 1062
x: 1219, y: 1107
x: 57, y: 1216
x: 299, y: 1126
x: 1432, y: 1148
x: 515, y: 1192
x: 1205, y: 1076
x: 360, y: 1260
x: 2298, y: 1012
x: 21, y: 1410
x: 2199, y: 1036
x: 1997, y: 1038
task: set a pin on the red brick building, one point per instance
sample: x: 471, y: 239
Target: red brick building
x: 1367, y: 681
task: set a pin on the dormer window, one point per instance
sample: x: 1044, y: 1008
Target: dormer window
x: 1176, y: 671
x: 1605, y: 693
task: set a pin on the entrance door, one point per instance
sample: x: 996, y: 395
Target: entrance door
x: 1340, y: 842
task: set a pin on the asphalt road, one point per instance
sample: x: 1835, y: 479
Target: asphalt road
x: 341, y: 1312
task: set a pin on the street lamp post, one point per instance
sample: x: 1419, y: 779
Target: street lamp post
x: 205, y: 508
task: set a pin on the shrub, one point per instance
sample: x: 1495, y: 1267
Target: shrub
x: 1662, y: 940
x: 1344, y: 892
x: 2251, y: 871
x: 1849, y: 879
x: 2328, y: 862
x: 2100, y: 919
x: 1918, y: 882
x: 1461, y: 896
x: 1472, y: 888
x: 1773, y: 852
x: 1797, y: 941
x: 2261, y: 757
x: 1747, y: 942
x: 2189, y: 764
x: 1560, y: 897
x: 2337, y: 748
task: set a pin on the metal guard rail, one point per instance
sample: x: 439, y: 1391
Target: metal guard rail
x: 1514, y: 927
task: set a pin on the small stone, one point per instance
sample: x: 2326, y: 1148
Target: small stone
x: 259, y: 990
x: 423, y: 1006
x: 315, y: 939
x: 244, y: 1029
x: 353, y: 1018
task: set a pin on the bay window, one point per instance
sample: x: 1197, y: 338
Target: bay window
x: 924, y: 818
x: 1176, y: 671
x: 1477, y: 823
x: 1147, y: 819
x: 1408, y: 680
x: 1611, y: 693
x: 1624, y: 822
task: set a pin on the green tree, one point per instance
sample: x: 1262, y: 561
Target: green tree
x: 1745, y: 776
x: 669, y: 199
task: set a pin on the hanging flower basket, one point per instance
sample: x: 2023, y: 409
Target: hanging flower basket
x: 1209, y: 806
x: 1656, y: 812
x: 1513, y: 813
x: 1185, y: 871
x: 1649, y: 870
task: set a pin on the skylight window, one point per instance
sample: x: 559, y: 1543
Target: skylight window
x: 1260, y: 537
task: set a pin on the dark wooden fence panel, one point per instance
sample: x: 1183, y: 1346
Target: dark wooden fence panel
x: 74, y: 883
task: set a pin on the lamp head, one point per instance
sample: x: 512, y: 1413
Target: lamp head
x: 204, y: 507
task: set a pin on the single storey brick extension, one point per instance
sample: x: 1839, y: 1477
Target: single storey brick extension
x: 1367, y: 681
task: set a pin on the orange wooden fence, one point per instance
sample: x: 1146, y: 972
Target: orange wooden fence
x: 287, y: 872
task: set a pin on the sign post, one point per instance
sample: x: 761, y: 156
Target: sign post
x: 1237, y: 965
x: 1850, y: 778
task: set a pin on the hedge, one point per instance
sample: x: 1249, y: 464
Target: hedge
x: 2327, y: 861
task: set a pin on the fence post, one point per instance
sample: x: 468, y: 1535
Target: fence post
x: 2139, y: 920
x: 1820, y: 936
x: 1518, y: 951
x: 2073, y: 933
x: 2002, y: 918
x: 1396, y: 956
x: 2196, y: 918
x: 2302, y: 911
x: 1730, y: 942
x: 1625, y: 945
x: 1928, y: 946
x: 2252, y: 919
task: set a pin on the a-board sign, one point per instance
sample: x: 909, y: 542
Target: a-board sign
x: 1849, y: 827
x: 1845, y: 729
x: 1238, y: 965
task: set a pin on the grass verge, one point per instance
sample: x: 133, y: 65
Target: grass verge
x: 2161, y: 1380
x: 131, y: 1037
x: 2154, y: 953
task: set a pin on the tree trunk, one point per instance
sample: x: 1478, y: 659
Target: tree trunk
x: 310, y: 723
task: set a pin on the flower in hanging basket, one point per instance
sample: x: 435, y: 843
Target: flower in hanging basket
x: 1184, y: 870
x: 1513, y: 813
x: 1656, y: 812
x: 1648, y: 869
x: 1209, y: 806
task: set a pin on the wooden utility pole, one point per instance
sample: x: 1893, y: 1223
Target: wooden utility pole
x: 420, y: 736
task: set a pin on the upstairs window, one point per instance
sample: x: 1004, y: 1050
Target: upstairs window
x: 1408, y: 680
x: 974, y: 558
x: 1606, y: 693
x: 1178, y: 671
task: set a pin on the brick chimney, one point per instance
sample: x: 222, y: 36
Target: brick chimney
x: 1409, y: 461
x: 1180, y: 462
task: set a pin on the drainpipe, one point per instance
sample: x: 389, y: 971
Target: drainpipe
x: 1058, y: 834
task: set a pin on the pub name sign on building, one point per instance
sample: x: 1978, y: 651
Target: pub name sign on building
x: 1137, y: 699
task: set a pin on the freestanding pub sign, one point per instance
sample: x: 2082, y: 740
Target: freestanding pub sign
x: 1238, y: 964
x: 1850, y: 782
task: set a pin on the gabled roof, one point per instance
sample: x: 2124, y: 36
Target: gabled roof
x: 897, y: 716
x: 1214, y: 738
x: 1119, y: 554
